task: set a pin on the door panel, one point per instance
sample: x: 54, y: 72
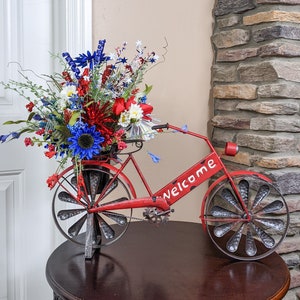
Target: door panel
x: 29, y: 30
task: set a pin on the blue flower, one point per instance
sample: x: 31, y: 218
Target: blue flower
x: 185, y: 128
x: 37, y: 117
x: 83, y: 59
x: 4, y: 137
x: 143, y: 99
x: 92, y: 59
x: 75, y: 102
x: 45, y: 102
x: 99, y: 55
x: 85, y: 141
x: 123, y: 60
x: 15, y: 135
x: 72, y: 64
x: 154, y: 157
x: 42, y: 124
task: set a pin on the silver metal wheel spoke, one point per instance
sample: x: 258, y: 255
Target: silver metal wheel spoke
x: 261, y: 194
x: 66, y: 197
x: 118, y: 218
x: 233, y: 243
x: 244, y: 191
x: 221, y: 230
x: 69, y: 213
x: 230, y: 198
x: 105, y: 228
x: 277, y: 224
x: 250, y: 246
x: 221, y: 212
x: 266, y: 239
x: 94, y: 181
x: 76, y: 227
x: 272, y: 207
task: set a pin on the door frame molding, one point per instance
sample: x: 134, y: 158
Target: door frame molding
x: 72, y: 22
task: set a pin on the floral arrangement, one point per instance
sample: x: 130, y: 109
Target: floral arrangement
x: 95, y: 104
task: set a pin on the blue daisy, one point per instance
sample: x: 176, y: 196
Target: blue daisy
x: 85, y: 141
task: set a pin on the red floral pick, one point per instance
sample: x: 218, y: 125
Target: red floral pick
x: 67, y: 77
x: 30, y: 106
x: 80, y: 186
x: 52, y: 180
x: 83, y: 84
x: 106, y: 73
x: 67, y: 115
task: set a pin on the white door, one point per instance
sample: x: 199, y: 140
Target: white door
x: 29, y: 30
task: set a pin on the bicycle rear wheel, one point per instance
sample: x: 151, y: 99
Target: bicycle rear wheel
x: 71, y: 216
x: 228, y: 224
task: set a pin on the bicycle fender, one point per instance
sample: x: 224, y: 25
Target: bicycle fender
x: 107, y: 166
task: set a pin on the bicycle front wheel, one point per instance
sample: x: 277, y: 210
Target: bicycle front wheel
x: 251, y: 234
x: 70, y: 213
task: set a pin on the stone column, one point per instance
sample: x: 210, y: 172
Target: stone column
x: 256, y: 94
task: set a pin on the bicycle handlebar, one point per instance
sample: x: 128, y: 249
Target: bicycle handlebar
x: 161, y: 126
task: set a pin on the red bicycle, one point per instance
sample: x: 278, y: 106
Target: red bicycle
x: 244, y: 214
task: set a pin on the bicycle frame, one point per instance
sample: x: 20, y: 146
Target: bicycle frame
x: 239, y: 208
x: 173, y: 191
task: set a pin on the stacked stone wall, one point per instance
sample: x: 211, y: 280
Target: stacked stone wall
x: 256, y: 93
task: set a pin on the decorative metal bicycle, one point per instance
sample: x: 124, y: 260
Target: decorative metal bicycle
x: 244, y: 214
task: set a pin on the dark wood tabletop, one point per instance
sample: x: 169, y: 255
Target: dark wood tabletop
x: 172, y: 261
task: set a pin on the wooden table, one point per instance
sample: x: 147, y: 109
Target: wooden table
x: 173, y: 261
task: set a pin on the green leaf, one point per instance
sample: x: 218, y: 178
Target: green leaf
x: 147, y: 89
x: 31, y: 115
x: 14, y: 122
x: 74, y: 118
x: 126, y: 94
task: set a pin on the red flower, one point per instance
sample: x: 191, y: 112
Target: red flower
x: 67, y: 115
x: 52, y: 180
x: 119, y: 106
x: 28, y: 142
x: 147, y: 110
x: 129, y: 102
x: 51, y: 147
x: 122, y: 145
x: 66, y: 76
x: 50, y: 154
x: 83, y: 87
x: 100, y: 116
x: 106, y: 73
x: 40, y: 131
x: 30, y: 106
x: 85, y: 72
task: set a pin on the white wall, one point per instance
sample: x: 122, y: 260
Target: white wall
x: 181, y: 85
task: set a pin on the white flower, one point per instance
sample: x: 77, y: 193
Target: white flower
x: 124, y: 119
x: 143, y: 131
x: 155, y: 57
x: 112, y: 56
x: 135, y: 113
x: 138, y: 44
x: 68, y: 91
